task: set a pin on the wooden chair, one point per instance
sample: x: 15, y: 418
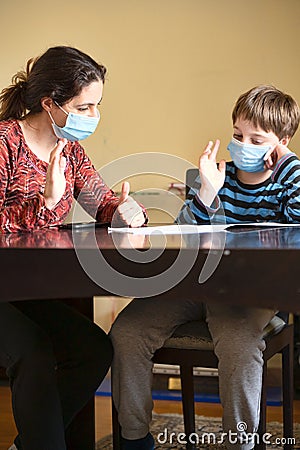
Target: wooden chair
x: 191, y: 346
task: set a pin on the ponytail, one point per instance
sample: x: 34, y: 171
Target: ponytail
x: 12, y: 98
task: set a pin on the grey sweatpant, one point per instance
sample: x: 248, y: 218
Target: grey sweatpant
x: 143, y: 326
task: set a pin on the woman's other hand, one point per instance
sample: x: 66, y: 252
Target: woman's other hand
x: 129, y: 212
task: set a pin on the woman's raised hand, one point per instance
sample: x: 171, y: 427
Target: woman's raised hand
x: 55, y: 179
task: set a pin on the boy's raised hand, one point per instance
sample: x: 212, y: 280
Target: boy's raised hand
x: 212, y: 176
x: 273, y: 156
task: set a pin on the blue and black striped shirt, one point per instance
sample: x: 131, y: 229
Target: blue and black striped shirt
x: 277, y: 199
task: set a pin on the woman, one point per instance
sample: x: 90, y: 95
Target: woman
x: 55, y: 358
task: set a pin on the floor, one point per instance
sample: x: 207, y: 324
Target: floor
x: 103, y: 414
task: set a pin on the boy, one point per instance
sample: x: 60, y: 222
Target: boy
x: 262, y: 183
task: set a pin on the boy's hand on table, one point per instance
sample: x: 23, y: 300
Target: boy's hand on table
x: 212, y: 176
x: 273, y: 156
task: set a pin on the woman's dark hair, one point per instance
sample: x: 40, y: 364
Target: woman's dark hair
x: 60, y: 73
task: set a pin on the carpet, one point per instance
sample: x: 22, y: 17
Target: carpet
x: 167, y: 430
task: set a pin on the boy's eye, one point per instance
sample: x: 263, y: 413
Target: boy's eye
x: 239, y: 137
x: 255, y: 142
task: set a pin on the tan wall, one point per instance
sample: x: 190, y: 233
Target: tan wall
x: 175, y: 67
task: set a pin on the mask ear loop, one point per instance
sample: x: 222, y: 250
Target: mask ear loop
x: 60, y: 107
x: 50, y: 115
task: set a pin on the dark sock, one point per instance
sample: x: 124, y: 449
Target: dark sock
x: 146, y: 443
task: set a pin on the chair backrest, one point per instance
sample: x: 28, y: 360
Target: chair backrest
x: 190, y: 177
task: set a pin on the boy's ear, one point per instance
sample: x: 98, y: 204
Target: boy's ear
x: 285, y: 141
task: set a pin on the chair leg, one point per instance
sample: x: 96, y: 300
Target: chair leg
x: 263, y: 410
x: 116, y: 429
x: 288, y: 394
x: 187, y: 391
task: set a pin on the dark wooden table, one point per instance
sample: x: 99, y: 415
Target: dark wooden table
x: 256, y: 268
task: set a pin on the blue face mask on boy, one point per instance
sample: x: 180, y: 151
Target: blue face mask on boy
x: 248, y: 157
x: 77, y: 127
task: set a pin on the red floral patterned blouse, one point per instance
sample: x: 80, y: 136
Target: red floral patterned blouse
x: 22, y: 182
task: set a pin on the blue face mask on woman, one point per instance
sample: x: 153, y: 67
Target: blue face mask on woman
x: 248, y: 157
x: 77, y: 127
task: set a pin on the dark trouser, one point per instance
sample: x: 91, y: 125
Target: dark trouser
x: 55, y: 359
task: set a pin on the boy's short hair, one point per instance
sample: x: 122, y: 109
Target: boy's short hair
x: 270, y: 109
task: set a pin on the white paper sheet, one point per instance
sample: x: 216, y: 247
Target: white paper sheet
x: 196, y: 229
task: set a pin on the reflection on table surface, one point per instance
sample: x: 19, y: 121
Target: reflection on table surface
x: 273, y: 238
